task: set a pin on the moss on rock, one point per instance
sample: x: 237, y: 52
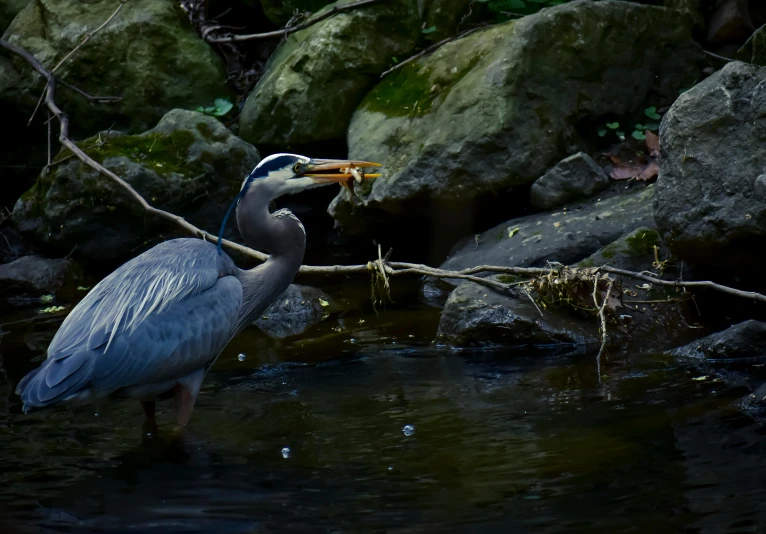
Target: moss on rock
x: 173, y: 166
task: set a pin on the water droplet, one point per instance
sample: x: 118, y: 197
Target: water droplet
x: 285, y: 452
x: 390, y: 467
x: 408, y: 430
x: 241, y: 357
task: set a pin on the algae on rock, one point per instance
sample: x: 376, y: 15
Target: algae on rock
x: 189, y: 164
x: 318, y: 76
x: 497, y: 108
x: 149, y: 55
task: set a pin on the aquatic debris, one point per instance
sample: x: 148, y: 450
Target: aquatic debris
x: 52, y: 309
x: 241, y: 357
x: 408, y: 430
x: 286, y: 452
x: 46, y: 299
x: 323, y: 302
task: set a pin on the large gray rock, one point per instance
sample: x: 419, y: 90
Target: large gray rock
x: 297, y: 309
x: 499, y: 107
x: 710, y: 200
x: 476, y: 316
x: 318, y: 76
x: 35, y: 276
x: 572, y: 178
x: 148, y: 54
x: 8, y: 10
x: 189, y: 164
x: 645, y: 317
x: 746, y: 340
x: 563, y: 236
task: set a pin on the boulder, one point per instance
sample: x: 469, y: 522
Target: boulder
x: 743, y: 341
x: 709, y: 203
x: 476, y: 316
x: 573, y: 178
x: 281, y: 11
x: 33, y: 276
x: 149, y: 55
x: 564, y: 236
x: 297, y: 309
x: 318, y: 76
x: 499, y: 107
x: 189, y: 164
x: 644, y: 317
x: 8, y: 10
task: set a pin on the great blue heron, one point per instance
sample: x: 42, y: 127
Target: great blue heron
x: 157, y: 323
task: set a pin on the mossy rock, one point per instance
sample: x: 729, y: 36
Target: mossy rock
x: 318, y: 76
x: 149, y: 55
x: 496, y: 109
x: 189, y: 164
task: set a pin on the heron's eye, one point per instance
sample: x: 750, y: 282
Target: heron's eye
x: 297, y: 168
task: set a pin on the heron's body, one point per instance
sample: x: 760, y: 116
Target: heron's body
x: 158, y: 322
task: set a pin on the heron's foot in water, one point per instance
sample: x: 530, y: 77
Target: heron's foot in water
x: 149, y: 427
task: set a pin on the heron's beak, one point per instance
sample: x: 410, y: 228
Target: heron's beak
x: 342, y: 171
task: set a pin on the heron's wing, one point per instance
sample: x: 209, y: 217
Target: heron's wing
x: 146, y: 285
x: 184, y: 337
x: 159, y: 316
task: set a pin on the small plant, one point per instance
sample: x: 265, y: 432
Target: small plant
x: 639, y: 128
x: 220, y: 107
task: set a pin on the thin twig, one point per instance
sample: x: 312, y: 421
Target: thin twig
x: 602, y: 319
x: 88, y: 36
x: 284, y: 32
x: 432, y: 48
x: 713, y: 54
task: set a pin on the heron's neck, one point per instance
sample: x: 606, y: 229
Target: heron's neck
x: 283, y: 238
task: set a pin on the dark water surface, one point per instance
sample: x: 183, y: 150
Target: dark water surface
x: 503, y: 441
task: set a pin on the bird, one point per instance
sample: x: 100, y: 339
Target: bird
x: 155, y: 326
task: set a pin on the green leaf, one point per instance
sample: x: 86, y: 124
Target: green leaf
x: 652, y: 113
x: 640, y: 127
x: 638, y: 135
x: 652, y: 126
x: 430, y: 30
x: 46, y: 299
x: 222, y: 106
x: 602, y: 132
x: 83, y: 288
x: 612, y: 125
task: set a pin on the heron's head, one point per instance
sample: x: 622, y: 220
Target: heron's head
x: 284, y: 174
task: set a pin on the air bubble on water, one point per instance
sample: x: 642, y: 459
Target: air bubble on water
x: 390, y: 467
x: 285, y: 452
x: 241, y: 357
x: 408, y: 430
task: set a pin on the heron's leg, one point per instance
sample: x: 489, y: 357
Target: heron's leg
x: 184, y: 404
x: 186, y: 391
x: 148, y: 407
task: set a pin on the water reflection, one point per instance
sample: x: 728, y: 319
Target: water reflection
x: 511, y: 442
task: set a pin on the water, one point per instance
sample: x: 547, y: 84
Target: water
x: 310, y: 434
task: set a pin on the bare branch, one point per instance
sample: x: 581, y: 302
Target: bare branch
x: 284, y: 32
x: 602, y: 319
x: 389, y: 269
